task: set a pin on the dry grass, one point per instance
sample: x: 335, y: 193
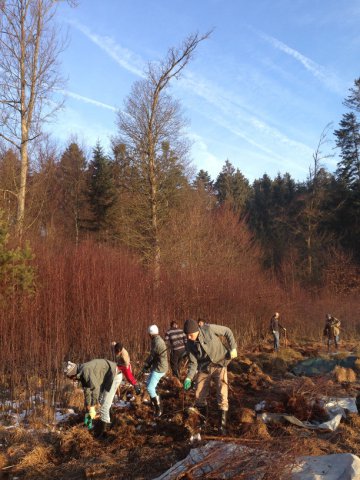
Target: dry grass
x: 77, y: 442
x: 3, y: 461
x: 280, y: 362
x: 344, y: 375
x: 41, y: 415
x: 38, y: 460
x: 357, y: 365
x: 71, y: 396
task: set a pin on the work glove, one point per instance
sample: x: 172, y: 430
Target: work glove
x: 88, y: 421
x: 92, y: 413
x: 233, y: 353
x: 187, y: 383
x: 137, y: 389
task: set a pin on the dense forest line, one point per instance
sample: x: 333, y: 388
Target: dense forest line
x: 305, y: 232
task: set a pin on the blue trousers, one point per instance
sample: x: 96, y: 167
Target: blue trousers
x: 152, y: 381
x: 276, y: 341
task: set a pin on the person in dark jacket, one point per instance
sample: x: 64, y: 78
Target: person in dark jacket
x: 99, y: 379
x: 176, y: 339
x: 332, y: 330
x: 274, y: 328
x: 209, y: 357
x: 157, y: 363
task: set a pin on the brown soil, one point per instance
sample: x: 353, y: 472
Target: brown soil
x: 138, y: 447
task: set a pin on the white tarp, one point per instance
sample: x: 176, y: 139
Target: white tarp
x: 335, y: 407
x: 340, y: 466
x: 226, y: 460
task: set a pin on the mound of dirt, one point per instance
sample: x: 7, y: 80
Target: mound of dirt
x: 255, y: 378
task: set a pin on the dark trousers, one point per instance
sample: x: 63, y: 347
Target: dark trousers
x: 175, y: 357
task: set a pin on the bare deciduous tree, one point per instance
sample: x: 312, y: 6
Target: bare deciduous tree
x: 312, y: 214
x: 151, y: 119
x: 29, y: 50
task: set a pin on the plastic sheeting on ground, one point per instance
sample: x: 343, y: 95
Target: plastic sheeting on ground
x: 335, y: 407
x: 339, y: 466
x: 225, y: 460
x: 320, y: 366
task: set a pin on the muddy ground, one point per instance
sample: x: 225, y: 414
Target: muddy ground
x: 138, y: 447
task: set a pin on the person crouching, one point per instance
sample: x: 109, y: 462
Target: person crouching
x: 99, y: 378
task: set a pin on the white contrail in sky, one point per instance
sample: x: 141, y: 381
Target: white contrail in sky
x: 326, y: 77
x: 236, y: 111
x: 122, y: 56
x: 88, y: 100
x: 237, y: 116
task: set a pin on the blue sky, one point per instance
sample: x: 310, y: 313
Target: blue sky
x: 259, y: 92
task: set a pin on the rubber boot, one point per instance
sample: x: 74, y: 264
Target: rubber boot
x: 222, y: 425
x: 155, y: 401
x: 203, y: 415
x: 103, y: 429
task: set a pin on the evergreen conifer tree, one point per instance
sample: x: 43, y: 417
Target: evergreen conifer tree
x: 348, y: 140
x: 102, y: 195
x: 232, y: 187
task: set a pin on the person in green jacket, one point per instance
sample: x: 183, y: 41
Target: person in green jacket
x: 157, y: 363
x: 99, y: 379
x: 209, y: 357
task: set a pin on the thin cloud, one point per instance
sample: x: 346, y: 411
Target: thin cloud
x: 325, y: 77
x: 203, y: 156
x: 211, y: 93
x: 233, y: 107
x: 122, y: 56
x: 229, y: 104
x: 88, y: 100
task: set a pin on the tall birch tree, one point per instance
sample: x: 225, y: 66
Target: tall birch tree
x: 29, y: 74
x: 150, y: 122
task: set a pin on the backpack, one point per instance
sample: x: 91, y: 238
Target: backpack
x: 335, y: 327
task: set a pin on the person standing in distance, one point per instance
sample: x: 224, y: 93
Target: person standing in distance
x: 332, y: 330
x: 274, y: 328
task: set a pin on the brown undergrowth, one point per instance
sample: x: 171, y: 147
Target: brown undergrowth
x: 138, y: 447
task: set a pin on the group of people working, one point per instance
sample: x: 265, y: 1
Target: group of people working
x: 208, y: 357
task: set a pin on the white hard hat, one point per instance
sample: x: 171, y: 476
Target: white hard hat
x: 154, y: 330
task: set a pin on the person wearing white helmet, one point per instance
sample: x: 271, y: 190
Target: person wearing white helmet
x: 157, y: 363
